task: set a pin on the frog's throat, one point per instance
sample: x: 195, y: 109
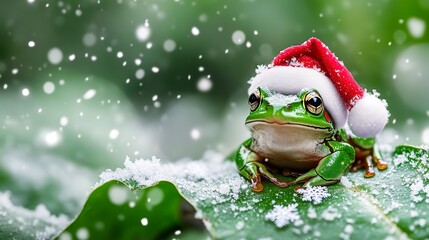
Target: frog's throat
x: 273, y: 122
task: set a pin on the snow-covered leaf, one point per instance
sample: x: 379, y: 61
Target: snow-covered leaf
x: 391, y: 205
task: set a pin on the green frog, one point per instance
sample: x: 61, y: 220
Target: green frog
x: 294, y: 134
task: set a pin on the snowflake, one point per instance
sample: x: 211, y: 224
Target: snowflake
x: 314, y: 194
x: 283, y: 215
x: 261, y: 68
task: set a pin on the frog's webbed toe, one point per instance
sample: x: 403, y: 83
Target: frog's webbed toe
x: 253, y: 172
x: 256, y: 183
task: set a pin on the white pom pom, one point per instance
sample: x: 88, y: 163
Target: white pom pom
x: 368, y: 116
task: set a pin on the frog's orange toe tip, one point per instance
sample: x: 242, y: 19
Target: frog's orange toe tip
x: 296, y: 189
x: 382, y: 167
x: 257, y: 187
x: 369, y: 174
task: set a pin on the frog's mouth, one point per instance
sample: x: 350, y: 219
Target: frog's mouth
x: 253, y: 123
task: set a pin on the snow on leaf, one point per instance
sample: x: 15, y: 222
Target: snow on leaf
x: 195, y: 177
x: 283, y: 215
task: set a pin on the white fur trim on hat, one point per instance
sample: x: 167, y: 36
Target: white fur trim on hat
x: 291, y: 80
x: 368, y: 116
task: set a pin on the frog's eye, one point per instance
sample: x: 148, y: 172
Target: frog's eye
x: 313, y: 103
x: 254, y: 100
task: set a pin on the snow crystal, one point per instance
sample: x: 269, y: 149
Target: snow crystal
x: 140, y: 73
x: 89, y: 39
x: 25, y: 92
x: 425, y: 136
x: 330, y: 214
x: 195, y: 31
x: 311, y: 213
x: 238, y: 37
x: 65, y: 236
x: 260, y: 68
x: 64, y: 121
x: 47, y: 233
x: 283, y: 215
x: 55, y: 56
x: 314, y: 194
x: 72, y: 57
x: 240, y: 225
x: 416, y: 27
x: 144, y: 221
x: 204, y: 84
x: 155, y: 69
x: 82, y: 234
x: 51, y: 138
x: 416, y: 188
x: 169, y: 45
x: 348, y: 230
x: 118, y: 195
x: 89, y: 94
x: 143, y: 32
x: 113, y: 134
x: 48, y: 87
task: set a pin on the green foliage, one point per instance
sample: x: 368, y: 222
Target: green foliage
x: 391, y: 204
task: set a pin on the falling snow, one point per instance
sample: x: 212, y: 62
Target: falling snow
x: 55, y: 56
x: 204, y: 84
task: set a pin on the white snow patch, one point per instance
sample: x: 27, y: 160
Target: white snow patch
x: 283, y: 215
x: 314, y: 194
x: 346, y: 182
x: 330, y: 214
x: 281, y: 100
x: 199, y: 178
x: 418, y: 187
x: 41, y: 215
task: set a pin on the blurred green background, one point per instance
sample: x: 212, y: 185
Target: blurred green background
x: 86, y: 83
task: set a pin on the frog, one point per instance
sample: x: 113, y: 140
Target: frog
x: 294, y: 134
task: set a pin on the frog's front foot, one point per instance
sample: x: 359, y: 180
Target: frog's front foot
x: 253, y: 172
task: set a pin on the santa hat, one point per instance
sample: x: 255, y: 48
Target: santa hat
x: 313, y: 65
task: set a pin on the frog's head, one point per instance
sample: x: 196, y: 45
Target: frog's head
x: 303, y: 110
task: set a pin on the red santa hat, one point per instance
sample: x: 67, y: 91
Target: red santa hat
x: 313, y: 65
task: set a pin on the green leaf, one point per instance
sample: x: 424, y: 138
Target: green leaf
x: 114, y: 212
x: 393, y: 204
